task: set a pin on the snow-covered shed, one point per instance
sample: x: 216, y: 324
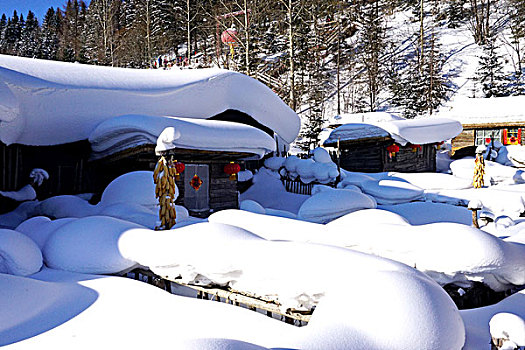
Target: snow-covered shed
x: 90, y: 124
x: 377, y: 142
x: 500, y: 118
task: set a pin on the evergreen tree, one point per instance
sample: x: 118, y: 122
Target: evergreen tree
x: 489, y: 75
x: 49, y: 43
x: 3, y: 27
x: 30, y: 37
x: 71, y: 39
x: 456, y: 13
x: 372, y: 48
x: 12, y: 33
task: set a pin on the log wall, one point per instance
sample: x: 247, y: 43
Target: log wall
x: 465, y: 139
x: 373, y: 157
x: 66, y: 165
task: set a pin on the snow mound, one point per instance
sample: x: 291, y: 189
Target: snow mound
x: 387, y: 325
x: 498, y: 200
x: 477, y: 321
x: 269, y: 227
x: 26, y: 193
x: 495, y: 173
x: 420, y: 213
x: 39, y: 229
x: 322, y: 170
x: 331, y: 204
x: 14, y: 218
x: 377, y: 216
x: 213, y: 344
x: 431, y: 181
x: 88, y: 245
x: 30, y: 307
x: 512, y: 155
x: 136, y: 187
x: 321, y: 155
x: 19, y: 255
x: 65, y: 206
x: 508, y: 326
x: 274, y: 163
x: 392, y: 191
x: 252, y: 206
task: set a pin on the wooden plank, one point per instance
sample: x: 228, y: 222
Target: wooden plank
x: 234, y: 297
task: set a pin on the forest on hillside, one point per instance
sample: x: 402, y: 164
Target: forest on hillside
x: 311, y: 52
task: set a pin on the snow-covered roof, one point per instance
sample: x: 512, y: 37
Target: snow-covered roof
x: 123, y: 132
x: 485, y: 110
x: 365, y: 117
x: 48, y: 102
x: 403, y: 131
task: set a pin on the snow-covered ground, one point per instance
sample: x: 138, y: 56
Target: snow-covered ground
x: 51, y: 295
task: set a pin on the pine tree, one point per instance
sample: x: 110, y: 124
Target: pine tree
x: 372, y: 47
x: 71, y: 40
x: 489, y: 75
x: 30, y: 37
x: 456, y: 13
x: 3, y: 27
x: 12, y: 33
x: 49, y: 43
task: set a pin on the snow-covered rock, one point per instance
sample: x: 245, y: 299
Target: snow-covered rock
x: 328, y: 205
x: 508, y: 326
x: 19, y: 255
x: 88, y: 245
x: 392, y: 191
x: 136, y: 187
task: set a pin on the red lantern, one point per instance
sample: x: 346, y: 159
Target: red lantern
x: 416, y: 148
x: 179, y: 167
x: 392, y: 150
x: 229, y: 37
x: 487, y: 140
x: 232, y: 169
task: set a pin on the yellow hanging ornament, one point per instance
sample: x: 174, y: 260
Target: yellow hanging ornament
x: 479, y: 171
x: 165, y: 189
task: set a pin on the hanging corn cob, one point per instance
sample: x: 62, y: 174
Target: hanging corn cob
x: 479, y: 171
x: 165, y: 190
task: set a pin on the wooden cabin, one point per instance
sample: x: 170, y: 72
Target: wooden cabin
x: 371, y: 155
x: 57, y: 131
x: 379, y: 142
x: 508, y: 133
x: 499, y: 118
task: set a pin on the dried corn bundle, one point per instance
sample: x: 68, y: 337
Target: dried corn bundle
x: 479, y: 171
x: 165, y: 189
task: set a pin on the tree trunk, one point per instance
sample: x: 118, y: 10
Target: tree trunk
x: 291, y: 53
x: 188, y: 31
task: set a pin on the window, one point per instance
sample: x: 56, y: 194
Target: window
x: 481, y: 136
x: 197, y: 200
x: 512, y: 136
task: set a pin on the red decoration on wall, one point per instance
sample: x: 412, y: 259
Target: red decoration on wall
x: 196, y: 182
x: 488, y: 139
x: 179, y: 167
x: 232, y: 169
x: 392, y: 150
x: 416, y: 148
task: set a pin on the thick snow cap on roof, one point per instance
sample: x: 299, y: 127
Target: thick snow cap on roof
x: 48, y: 102
x: 119, y: 133
x: 403, y: 131
x: 485, y: 110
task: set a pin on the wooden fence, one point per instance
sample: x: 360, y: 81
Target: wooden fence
x: 296, y: 186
